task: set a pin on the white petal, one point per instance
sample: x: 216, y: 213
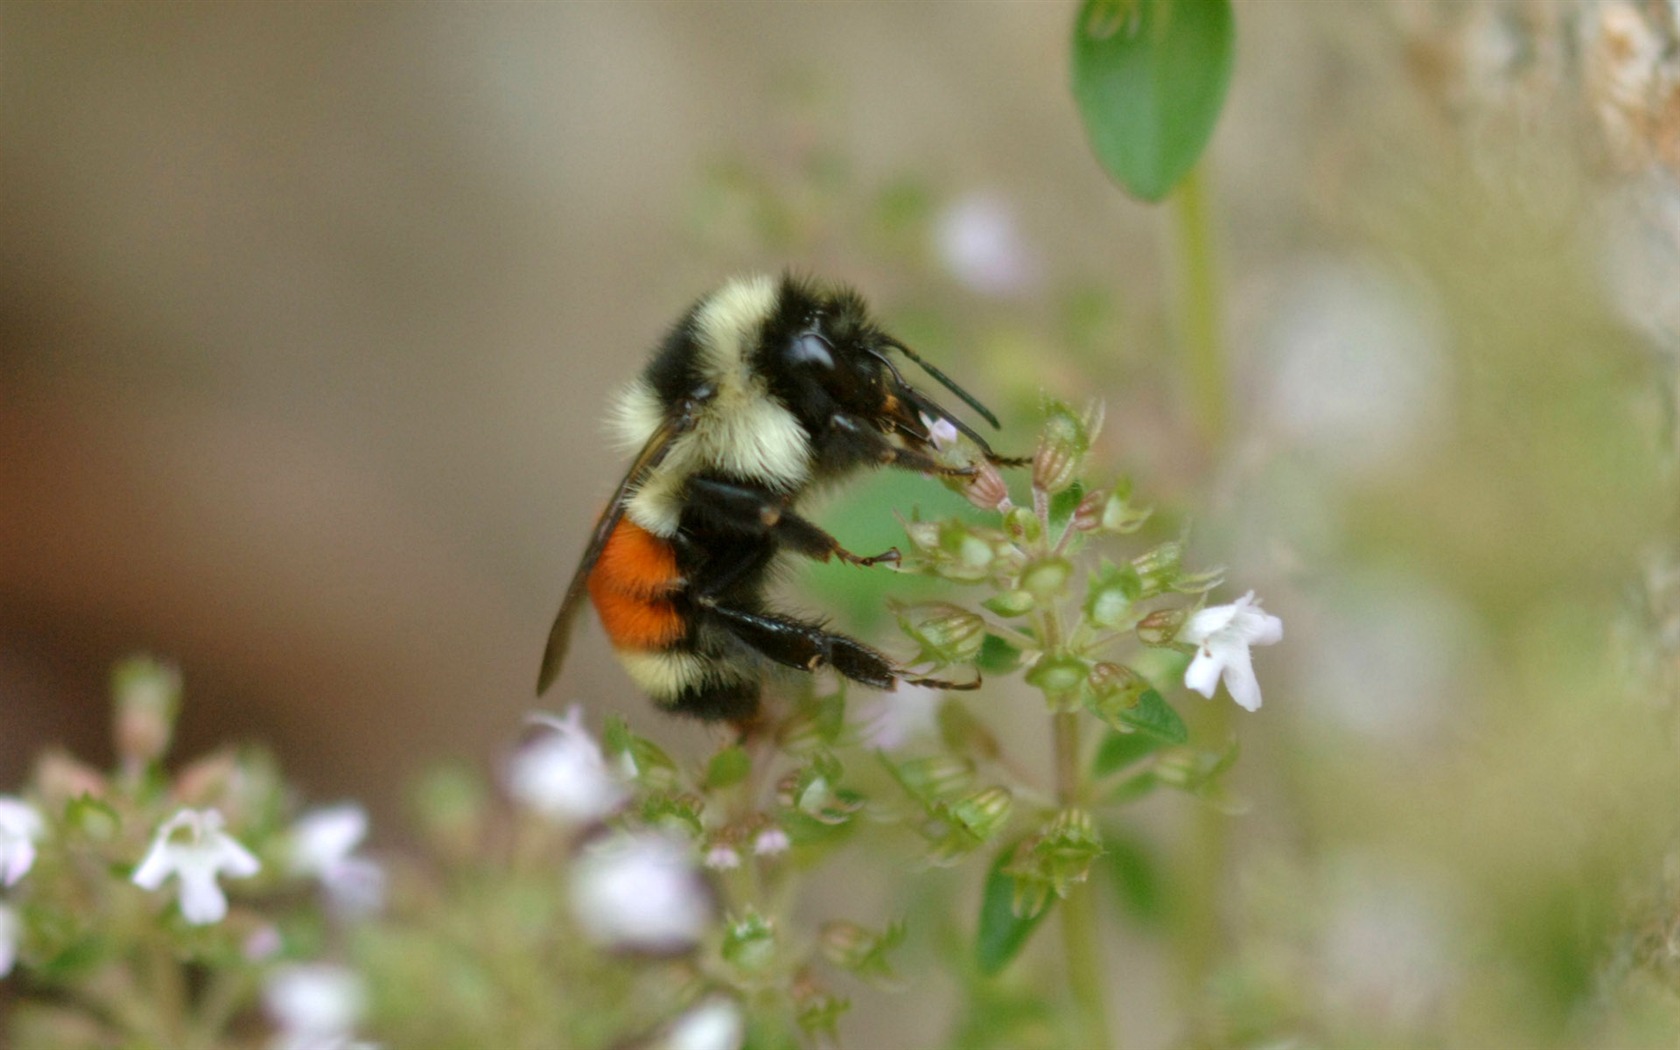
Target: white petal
x: 324, y: 837
x: 159, y: 862
x: 15, y: 860
x: 713, y: 1025
x: 233, y: 859
x: 19, y: 818
x: 202, y: 900
x: 1239, y: 678
x: 1203, y: 674
x: 1206, y: 623
x: 11, y: 931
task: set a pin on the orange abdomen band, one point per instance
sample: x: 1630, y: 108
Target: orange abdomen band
x: 630, y: 586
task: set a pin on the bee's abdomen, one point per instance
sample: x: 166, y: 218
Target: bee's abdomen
x: 632, y: 587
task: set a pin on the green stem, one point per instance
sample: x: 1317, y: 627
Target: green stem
x: 1201, y: 332
x: 1199, y: 323
x: 1080, y: 943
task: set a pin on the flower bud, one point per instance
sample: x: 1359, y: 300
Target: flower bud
x: 749, y: 943
x: 1160, y: 627
x: 936, y: 777
x: 1114, y: 688
x: 1109, y: 603
x: 863, y: 952
x: 987, y: 489
x: 948, y: 634
x: 1011, y: 603
x: 1088, y: 515
x: 816, y: 1008
x: 148, y: 699
x: 1046, y: 577
x: 983, y: 813
x: 1158, y: 569
x: 60, y: 778
x: 1062, y: 446
x: 1059, y: 676
x: 1120, y: 516
x: 923, y: 535
x: 1023, y: 525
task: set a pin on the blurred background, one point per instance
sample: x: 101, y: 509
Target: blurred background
x: 308, y: 316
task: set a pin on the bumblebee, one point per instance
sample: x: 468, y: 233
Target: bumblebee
x: 764, y: 390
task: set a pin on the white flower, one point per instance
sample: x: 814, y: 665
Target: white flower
x: 639, y: 891
x: 561, y: 773
x: 1223, y: 634
x: 942, y: 432
x: 715, y: 1024
x: 891, y: 720
x: 315, y: 1006
x: 770, y: 842
x: 20, y: 826
x: 11, y: 931
x: 192, y: 846
x: 323, y: 844
x: 980, y: 243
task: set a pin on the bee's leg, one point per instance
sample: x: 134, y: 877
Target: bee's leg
x: 867, y: 443
x: 806, y: 646
x: 751, y: 511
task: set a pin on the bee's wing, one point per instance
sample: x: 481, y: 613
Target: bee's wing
x: 652, y: 454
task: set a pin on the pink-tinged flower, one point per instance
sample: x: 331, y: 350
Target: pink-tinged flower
x: 315, y: 1006
x: 323, y: 844
x: 770, y: 842
x: 640, y: 891
x: 192, y: 846
x: 20, y: 827
x: 723, y: 857
x: 942, y: 432
x: 1223, y: 635
x: 561, y: 773
x: 715, y: 1024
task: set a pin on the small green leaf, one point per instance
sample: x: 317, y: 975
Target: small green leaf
x: 1120, y: 750
x: 1063, y: 504
x: 997, y: 656
x: 728, y: 767
x: 1150, y: 78
x: 1156, y: 717
x: 1136, y: 875
x: 1002, y: 933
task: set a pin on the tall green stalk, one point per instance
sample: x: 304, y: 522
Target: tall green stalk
x: 1201, y: 335
x: 1081, y: 943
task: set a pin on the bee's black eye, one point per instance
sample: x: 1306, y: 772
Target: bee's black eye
x: 810, y: 348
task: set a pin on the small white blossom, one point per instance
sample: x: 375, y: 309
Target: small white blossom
x: 561, y: 773
x: 323, y: 845
x: 639, y: 891
x: 315, y: 1006
x: 891, y: 720
x: 942, y: 432
x: 1223, y: 634
x: 192, y: 846
x: 11, y: 931
x: 980, y: 243
x: 715, y: 1024
x: 20, y: 826
x: 770, y: 842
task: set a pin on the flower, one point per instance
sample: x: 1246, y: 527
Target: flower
x: 770, y: 841
x: 1223, y: 634
x: 715, y: 1024
x: 20, y: 826
x: 561, y: 774
x: 891, y: 721
x: 640, y: 891
x: 323, y: 842
x: 192, y: 846
x: 980, y: 243
x: 723, y: 857
x: 315, y: 1005
x: 11, y: 931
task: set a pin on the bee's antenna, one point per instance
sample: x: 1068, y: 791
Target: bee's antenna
x: 946, y: 381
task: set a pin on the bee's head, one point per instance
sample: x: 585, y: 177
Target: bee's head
x: 824, y: 355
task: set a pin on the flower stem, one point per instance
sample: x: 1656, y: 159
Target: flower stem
x: 1201, y: 334
x: 1199, y: 322
x: 1080, y: 943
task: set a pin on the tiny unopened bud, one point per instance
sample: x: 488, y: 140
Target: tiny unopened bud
x: 987, y: 489
x: 1023, y: 525
x: 948, y: 634
x: 1160, y: 627
x: 148, y: 699
x: 1109, y: 605
x: 749, y: 943
x: 1011, y: 603
x: 1120, y: 516
x: 983, y: 812
x: 1046, y: 577
x: 1062, y: 446
x: 1088, y: 516
x: 923, y: 535
x: 862, y: 951
x: 937, y: 776
x: 1159, y: 569
x: 1058, y: 676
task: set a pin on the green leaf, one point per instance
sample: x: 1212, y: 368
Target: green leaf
x: 1063, y: 504
x: 1002, y: 933
x: 997, y: 656
x: 1135, y: 872
x: 728, y: 767
x: 1150, y: 78
x: 1156, y: 717
x: 1119, y: 750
